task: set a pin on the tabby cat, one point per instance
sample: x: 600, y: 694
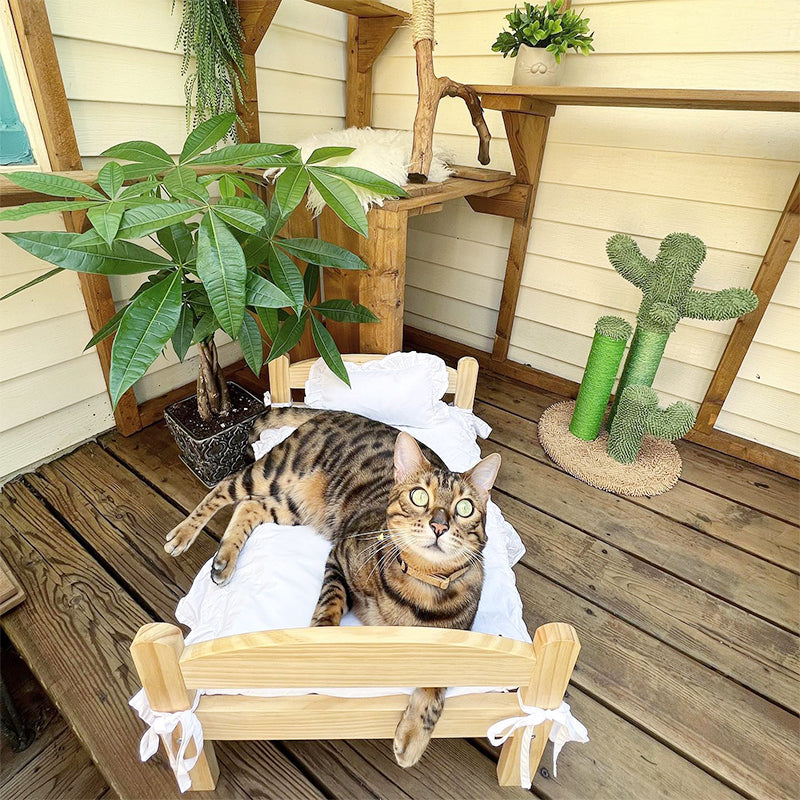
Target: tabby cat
x: 407, y: 533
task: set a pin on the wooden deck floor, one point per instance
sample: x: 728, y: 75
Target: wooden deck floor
x: 686, y: 605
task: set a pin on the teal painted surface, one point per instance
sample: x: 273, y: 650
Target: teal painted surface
x: 15, y: 147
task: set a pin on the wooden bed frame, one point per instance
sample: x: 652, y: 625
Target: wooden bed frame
x: 171, y: 672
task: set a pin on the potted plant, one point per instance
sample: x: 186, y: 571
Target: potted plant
x: 221, y: 263
x: 539, y: 38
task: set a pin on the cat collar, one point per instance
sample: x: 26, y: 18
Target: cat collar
x: 440, y: 581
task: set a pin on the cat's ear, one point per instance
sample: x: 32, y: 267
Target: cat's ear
x: 482, y: 476
x: 408, y: 458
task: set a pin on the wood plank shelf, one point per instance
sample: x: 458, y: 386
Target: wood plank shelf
x: 707, y: 99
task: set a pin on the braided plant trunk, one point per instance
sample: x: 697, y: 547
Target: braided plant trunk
x: 213, y: 398
x: 608, y: 346
x: 638, y: 414
x: 667, y: 296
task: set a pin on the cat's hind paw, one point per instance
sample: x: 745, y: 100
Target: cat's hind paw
x: 410, y: 741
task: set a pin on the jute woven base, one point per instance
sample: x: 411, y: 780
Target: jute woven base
x: 655, y: 471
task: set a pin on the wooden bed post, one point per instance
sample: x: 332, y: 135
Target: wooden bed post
x: 156, y: 650
x: 556, y: 647
x: 280, y: 390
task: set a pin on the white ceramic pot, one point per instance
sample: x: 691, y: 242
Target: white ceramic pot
x: 535, y: 66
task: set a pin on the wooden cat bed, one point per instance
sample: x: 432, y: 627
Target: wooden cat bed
x: 354, y: 656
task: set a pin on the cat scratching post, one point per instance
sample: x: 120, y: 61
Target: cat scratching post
x: 430, y: 91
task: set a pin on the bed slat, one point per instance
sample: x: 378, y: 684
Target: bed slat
x: 368, y: 656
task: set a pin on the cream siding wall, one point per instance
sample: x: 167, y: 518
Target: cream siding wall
x: 122, y: 78
x: 723, y: 176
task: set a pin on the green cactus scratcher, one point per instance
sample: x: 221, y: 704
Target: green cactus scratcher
x: 610, y: 336
x: 637, y: 414
x: 667, y: 295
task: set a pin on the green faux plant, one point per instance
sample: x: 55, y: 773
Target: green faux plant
x: 545, y: 26
x: 667, y: 295
x: 220, y: 263
x: 639, y: 414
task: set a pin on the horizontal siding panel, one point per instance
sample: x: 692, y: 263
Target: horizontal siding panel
x: 469, y: 338
x: 55, y: 297
x: 761, y: 432
x: 48, y: 390
x: 15, y: 260
x: 450, y: 311
x: 658, y: 26
x: 46, y: 437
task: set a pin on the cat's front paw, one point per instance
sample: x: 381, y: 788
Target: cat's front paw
x: 224, y: 564
x: 410, y: 740
x: 180, y: 538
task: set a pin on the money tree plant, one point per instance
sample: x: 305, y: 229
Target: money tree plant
x: 215, y: 257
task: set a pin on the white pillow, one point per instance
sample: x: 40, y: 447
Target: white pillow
x: 400, y: 389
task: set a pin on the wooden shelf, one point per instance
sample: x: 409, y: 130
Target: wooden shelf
x: 362, y: 8
x: 709, y: 99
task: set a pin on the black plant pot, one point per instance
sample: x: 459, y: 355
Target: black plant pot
x: 211, y: 457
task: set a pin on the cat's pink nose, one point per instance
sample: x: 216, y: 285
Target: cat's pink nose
x: 439, y: 524
x: 439, y: 527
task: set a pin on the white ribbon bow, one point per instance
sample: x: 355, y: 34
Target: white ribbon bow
x: 565, y: 729
x: 163, y: 723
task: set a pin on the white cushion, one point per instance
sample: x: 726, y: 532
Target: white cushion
x: 400, y: 389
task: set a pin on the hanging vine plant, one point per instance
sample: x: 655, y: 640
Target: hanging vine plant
x: 211, y: 38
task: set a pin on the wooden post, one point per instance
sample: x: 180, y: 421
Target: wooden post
x: 775, y: 259
x: 280, y: 389
x: 466, y: 383
x: 556, y: 647
x: 156, y: 650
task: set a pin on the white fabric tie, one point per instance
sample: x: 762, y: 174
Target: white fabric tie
x: 163, y: 723
x: 565, y: 729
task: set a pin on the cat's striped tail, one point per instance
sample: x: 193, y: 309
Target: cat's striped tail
x: 290, y: 416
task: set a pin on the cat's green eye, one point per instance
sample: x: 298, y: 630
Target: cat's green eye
x: 464, y: 507
x: 419, y: 497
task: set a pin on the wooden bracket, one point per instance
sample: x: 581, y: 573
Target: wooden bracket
x: 523, y: 105
x: 256, y: 18
x: 515, y: 203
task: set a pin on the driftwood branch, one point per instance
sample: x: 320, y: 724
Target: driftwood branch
x: 430, y: 91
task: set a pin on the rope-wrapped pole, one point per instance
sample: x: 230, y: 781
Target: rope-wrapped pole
x: 430, y: 91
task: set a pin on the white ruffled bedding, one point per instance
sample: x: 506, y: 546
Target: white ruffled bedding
x: 279, y: 572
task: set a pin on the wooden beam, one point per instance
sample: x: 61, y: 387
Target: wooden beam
x: 248, y: 125
x: 774, y: 262
x: 374, y: 34
x: 358, y: 88
x: 44, y: 74
x: 256, y: 18
x: 362, y: 8
x: 527, y: 137
x: 712, y: 99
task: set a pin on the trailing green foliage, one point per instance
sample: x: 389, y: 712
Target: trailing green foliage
x: 608, y: 345
x: 211, y: 37
x: 667, y: 295
x: 221, y: 264
x: 545, y: 26
x: 639, y: 414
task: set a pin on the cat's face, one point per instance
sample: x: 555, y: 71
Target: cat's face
x: 436, y: 514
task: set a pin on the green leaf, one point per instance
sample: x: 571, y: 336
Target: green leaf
x: 106, y: 330
x: 241, y: 213
x: 111, y: 178
x: 369, y: 180
x: 143, y: 220
x: 227, y: 187
x: 133, y: 172
x: 276, y: 161
x: 288, y: 336
x: 61, y: 249
x: 311, y: 280
x: 256, y: 250
x: 28, y: 285
x: 205, y: 328
x: 315, y: 251
x: 177, y: 241
x: 290, y: 188
x: 137, y: 150
x: 342, y: 200
x: 106, y: 219
x: 345, y: 311
x: 287, y: 277
x: 136, y: 190
x: 47, y: 207
x: 205, y: 135
x: 251, y: 344
x: 181, y: 182
x: 55, y: 185
x: 221, y: 267
x: 240, y: 153
x: 182, y: 336
x: 262, y: 293
x: 328, y: 350
x: 269, y: 319
x: 324, y: 153
x: 145, y: 328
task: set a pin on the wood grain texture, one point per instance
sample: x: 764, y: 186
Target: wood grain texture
x: 361, y: 8
x: 358, y: 87
x: 779, y: 250
x: 11, y: 592
x: 720, y: 99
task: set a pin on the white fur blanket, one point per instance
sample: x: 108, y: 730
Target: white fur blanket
x: 384, y: 152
